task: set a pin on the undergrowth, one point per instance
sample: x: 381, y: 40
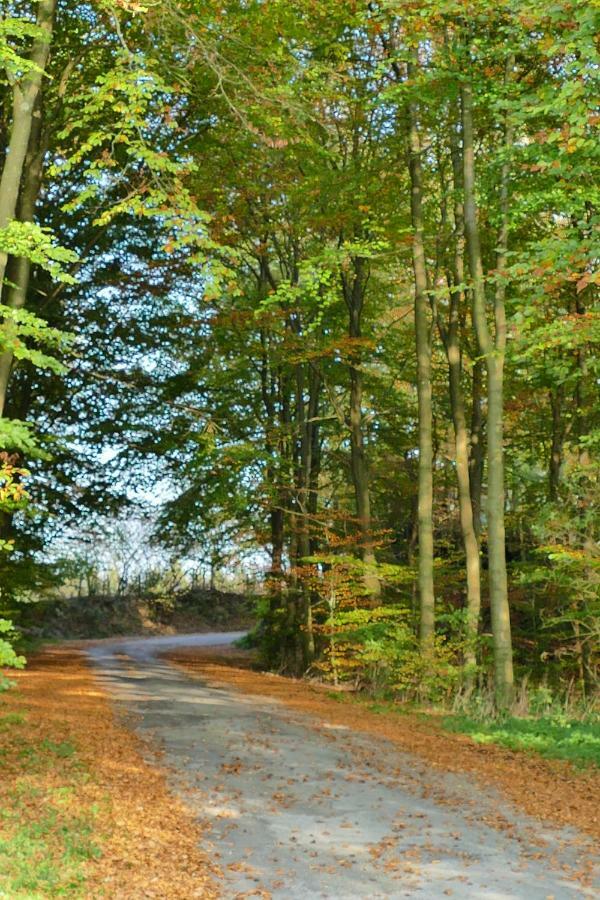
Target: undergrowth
x: 538, y: 723
x: 554, y: 737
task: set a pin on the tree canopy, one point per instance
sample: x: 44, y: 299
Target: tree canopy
x: 315, y: 285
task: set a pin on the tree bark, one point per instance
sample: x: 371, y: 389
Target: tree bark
x: 424, y: 393
x: 354, y: 295
x: 477, y: 446
x: 450, y: 335
x: 26, y: 95
x: 451, y: 343
x: 493, y: 349
x: 303, y: 469
x: 273, y: 448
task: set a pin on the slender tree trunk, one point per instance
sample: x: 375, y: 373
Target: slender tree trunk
x: 451, y: 340
x: 493, y: 351
x: 354, y: 296
x: 424, y: 393
x: 558, y: 437
x: 273, y: 448
x: 289, y: 649
x: 18, y: 277
x: 469, y: 536
x: 315, y: 453
x: 26, y: 94
x: 303, y: 469
x: 19, y: 269
x: 275, y: 575
x: 477, y: 446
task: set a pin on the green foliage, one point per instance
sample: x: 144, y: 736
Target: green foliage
x: 116, y: 138
x: 378, y: 648
x: 14, y: 32
x: 13, y: 496
x: 375, y: 647
x: 19, y: 436
x: 27, y: 240
x: 20, y: 324
x: 369, y: 646
x: 249, y: 641
x: 565, y: 576
x: 8, y: 657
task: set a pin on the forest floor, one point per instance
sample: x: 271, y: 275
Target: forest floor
x: 81, y: 813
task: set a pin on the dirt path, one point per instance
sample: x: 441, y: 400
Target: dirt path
x: 550, y: 790
x: 298, y: 811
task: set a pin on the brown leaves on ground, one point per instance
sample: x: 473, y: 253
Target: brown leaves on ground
x: 149, y: 840
x: 549, y: 790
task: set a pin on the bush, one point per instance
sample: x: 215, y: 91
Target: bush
x: 8, y: 657
x: 377, y: 649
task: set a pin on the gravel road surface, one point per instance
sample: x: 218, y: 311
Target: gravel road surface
x: 299, y: 811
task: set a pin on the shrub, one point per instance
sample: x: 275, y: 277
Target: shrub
x: 8, y: 657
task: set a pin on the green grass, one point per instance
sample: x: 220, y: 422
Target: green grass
x: 31, y: 866
x: 46, y: 836
x: 551, y: 737
x: 8, y: 720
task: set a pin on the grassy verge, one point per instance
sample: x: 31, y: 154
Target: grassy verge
x: 82, y: 814
x: 554, y: 737
x: 551, y: 737
x: 46, y: 827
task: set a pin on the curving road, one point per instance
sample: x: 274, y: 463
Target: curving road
x: 300, y: 811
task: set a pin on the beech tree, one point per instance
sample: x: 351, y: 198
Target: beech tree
x: 331, y: 272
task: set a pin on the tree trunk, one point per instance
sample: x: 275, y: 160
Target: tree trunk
x: 272, y: 441
x: 315, y: 454
x: 558, y: 437
x: 451, y: 340
x: 493, y: 350
x: 461, y: 438
x: 424, y: 394
x: 275, y: 574
x: 477, y: 446
x: 354, y: 296
x: 303, y: 469
x: 25, y: 104
x: 19, y: 269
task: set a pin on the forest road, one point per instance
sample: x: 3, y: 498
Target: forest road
x: 303, y: 809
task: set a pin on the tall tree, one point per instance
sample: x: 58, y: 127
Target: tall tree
x: 493, y: 347
x: 24, y: 138
x: 423, y: 350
